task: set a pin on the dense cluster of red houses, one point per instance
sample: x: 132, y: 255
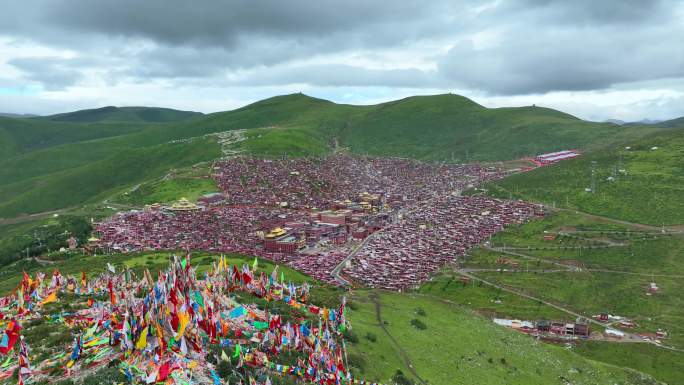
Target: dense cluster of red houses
x: 433, y: 233
x: 304, y: 182
x: 309, y: 213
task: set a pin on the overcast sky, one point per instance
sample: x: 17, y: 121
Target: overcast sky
x: 597, y: 59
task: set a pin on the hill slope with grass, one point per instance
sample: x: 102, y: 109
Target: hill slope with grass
x: 641, y: 182
x: 56, y: 153
x: 446, y: 344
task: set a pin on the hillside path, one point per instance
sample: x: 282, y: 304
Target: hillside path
x: 674, y: 229
x: 404, y: 356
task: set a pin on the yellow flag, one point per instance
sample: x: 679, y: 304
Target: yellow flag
x: 142, y: 341
x: 183, y: 319
x: 52, y: 297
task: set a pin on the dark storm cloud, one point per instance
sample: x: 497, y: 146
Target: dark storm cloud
x: 580, y: 12
x: 540, y: 45
x: 566, y: 60
x: 223, y: 23
x: 573, y: 46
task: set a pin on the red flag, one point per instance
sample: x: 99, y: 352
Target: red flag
x: 163, y: 372
x: 12, y: 332
x: 112, y: 296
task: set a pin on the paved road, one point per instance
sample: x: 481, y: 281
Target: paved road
x: 338, y: 269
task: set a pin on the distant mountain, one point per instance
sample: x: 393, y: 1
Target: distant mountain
x: 18, y: 116
x: 65, y: 160
x: 637, y: 123
x: 678, y: 122
x: 125, y: 114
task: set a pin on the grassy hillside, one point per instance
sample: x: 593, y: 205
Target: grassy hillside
x: 678, y: 122
x: 20, y: 136
x: 450, y: 127
x: 56, y: 154
x: 124, y: 114
x: 455, y: 346
x: 189, y: 183
x: 39, y: 236
x: 612, y: 279
x: 666, y: 366
x: 649, y: 190
x: 93, y: 180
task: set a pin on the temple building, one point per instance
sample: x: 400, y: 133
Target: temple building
x: 183, y: 204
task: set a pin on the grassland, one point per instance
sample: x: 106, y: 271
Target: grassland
x: 459, y: 347
x: 191, y: 183
x: 664, y: 365
x: 648, y: 190
x: 613, y: 280
x: 95, y: 180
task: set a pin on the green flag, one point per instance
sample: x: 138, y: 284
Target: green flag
x: 199, y: 299
x: 238, y: 350
x: 255, y: 264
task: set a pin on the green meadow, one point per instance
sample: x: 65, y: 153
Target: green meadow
x: 452, y: 345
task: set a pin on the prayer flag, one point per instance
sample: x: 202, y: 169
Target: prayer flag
x: 52, y: 297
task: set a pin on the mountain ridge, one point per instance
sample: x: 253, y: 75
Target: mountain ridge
x: 123, y: 114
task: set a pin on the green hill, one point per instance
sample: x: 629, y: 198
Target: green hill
x: 124, y: 114
x: 679, y: 122
x: 439, y: 127
x: 54, y: 154
x: 20, y: 136
x: 641, y: 182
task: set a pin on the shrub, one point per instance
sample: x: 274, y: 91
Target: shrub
x: 357, y: 361
x: 351, y: 336
x: 418, y: 324
x: 105, y: 376
x: 401, y: 379
x: 224, y: 370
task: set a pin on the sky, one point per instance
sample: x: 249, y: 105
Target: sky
x: 596, y: 59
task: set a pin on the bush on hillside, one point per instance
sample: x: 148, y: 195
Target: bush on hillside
x: 418, y: 324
